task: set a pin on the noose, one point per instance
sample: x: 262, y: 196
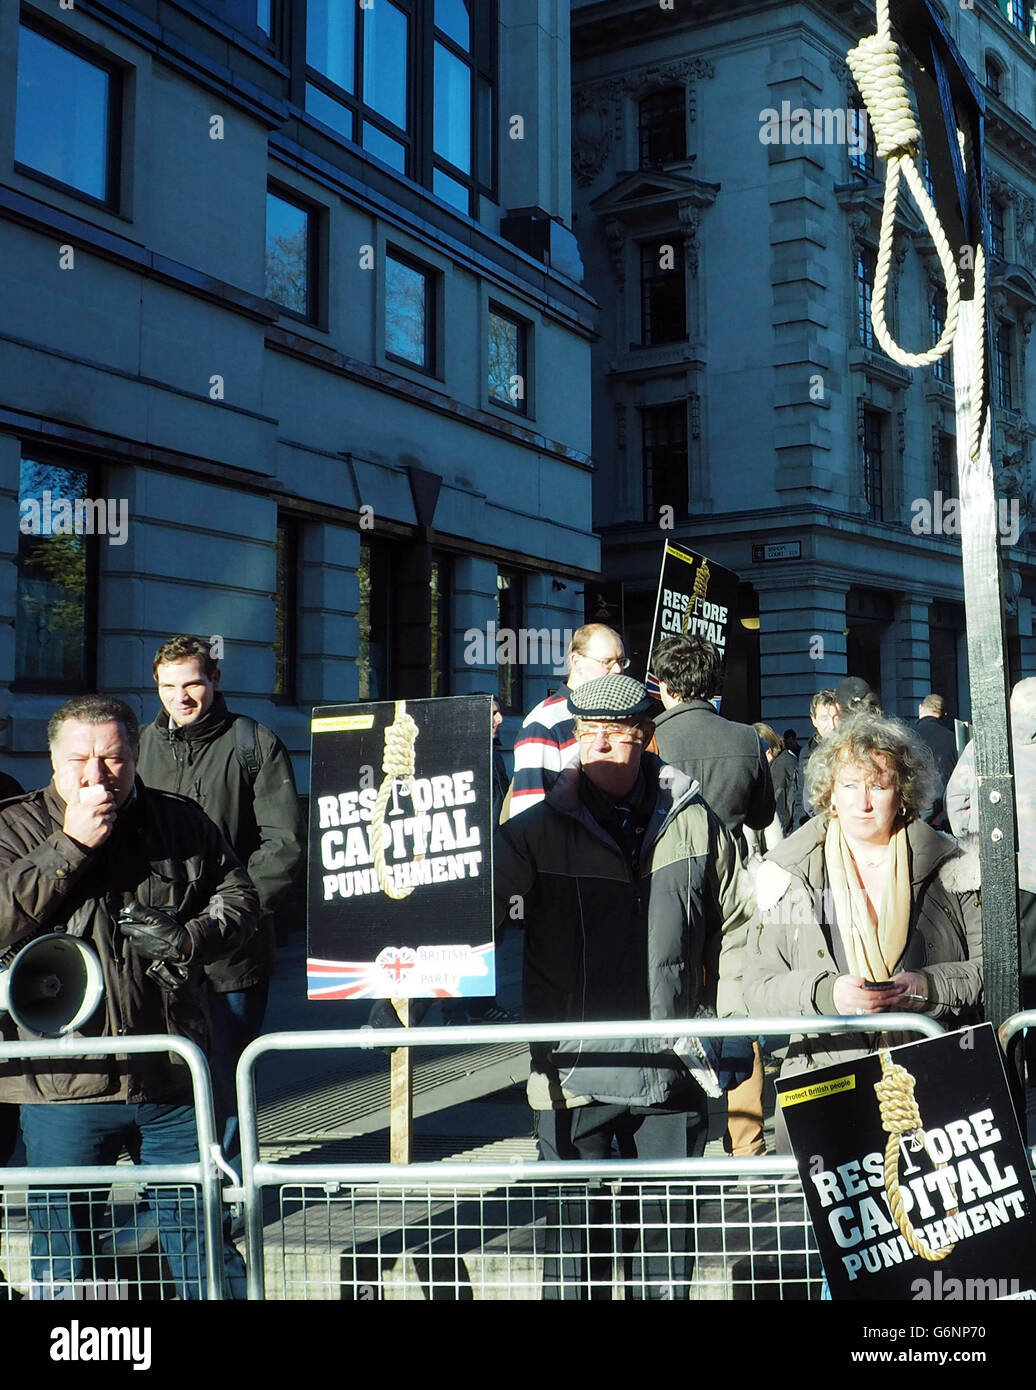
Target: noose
x: 876, y: 67
x: 701, y: 585
x: 397, y: 764
x: 900, y: 1117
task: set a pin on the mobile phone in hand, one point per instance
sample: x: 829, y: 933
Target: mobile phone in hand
x: 879, y: 984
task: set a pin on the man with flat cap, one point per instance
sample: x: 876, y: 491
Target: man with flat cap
x: 634, y: 905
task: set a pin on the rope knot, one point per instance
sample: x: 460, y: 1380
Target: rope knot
x: 875, y: 65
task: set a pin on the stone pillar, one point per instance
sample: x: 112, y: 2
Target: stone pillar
x: 801, y: 646
x: 911, y: 665
x: 329, y: 600
x: 473, y: 609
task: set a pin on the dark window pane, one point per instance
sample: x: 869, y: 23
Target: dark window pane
x: 383, y: 147
x: 1002, y: 366
x: 997, y: 229
x: 665, y: 458
x: 451, y: 16
x: 374, y: 577
x: 663, y: 132
x: 943, y: 369
x: 63, y: 116
x: 506, y: 362
x: 262, y: 15
x: 331, y: 112
x: 486, y: 135
x: 287, y: 254
x: 51, y: 624
x: 509, y: 618
x: 451, y: 191
x: 874, y: 464
x: 452, y: 109
x: 663, y: 298
x: 993, y: 77
x: 407, y: 313
x: 385, y: 61
x: 865, y: 269
x: 330, y: 40
x: 861, y: 146
x: 945, y: 463
x: 286, y: 610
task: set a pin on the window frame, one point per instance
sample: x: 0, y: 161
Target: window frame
x: 997, y: 229
x: 645, y: 129
x: 524, y: 406
x: 648, y: 250
x: 91, y: 605
x: 874, y: 479
x: 866, y: 257
x: 1003, y: 365
x: 117, y: 74
x: 314, y: 280
x: 433, y: 277
x: 418, y: 139
x: 676, y: 410
x: 513, y: 702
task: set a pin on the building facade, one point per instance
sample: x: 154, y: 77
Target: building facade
x: 727, y: 201
x: 294, y: 351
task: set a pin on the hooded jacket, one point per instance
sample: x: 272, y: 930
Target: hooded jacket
x: 793, y: 954
x: 605, y: 942
x: 162, y: 851
x: 262, y: 823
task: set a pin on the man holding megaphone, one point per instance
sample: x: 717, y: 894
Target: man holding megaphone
x: 148, y: 882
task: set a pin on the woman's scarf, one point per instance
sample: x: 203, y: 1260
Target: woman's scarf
x: 872, y: 948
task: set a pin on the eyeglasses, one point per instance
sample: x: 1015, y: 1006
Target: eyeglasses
x: 614, y: 733
x: 608, y: 662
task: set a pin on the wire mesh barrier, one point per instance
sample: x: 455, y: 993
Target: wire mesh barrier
x: 106, y: 1231
x: 625, y: 1228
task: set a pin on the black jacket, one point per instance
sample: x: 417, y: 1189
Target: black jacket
x: 724, y: 758
x: 163, y: 852
x: 787, y: 789
x: 262, y: 823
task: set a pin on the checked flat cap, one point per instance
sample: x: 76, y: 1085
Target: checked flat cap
x: 611, y: 697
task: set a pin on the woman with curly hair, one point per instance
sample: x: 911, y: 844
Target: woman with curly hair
x: 865, y: 909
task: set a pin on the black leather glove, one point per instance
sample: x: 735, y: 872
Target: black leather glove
x: 154, y: 934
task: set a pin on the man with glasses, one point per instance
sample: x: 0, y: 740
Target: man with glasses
x: 547, y: 742
x: 634, y: 905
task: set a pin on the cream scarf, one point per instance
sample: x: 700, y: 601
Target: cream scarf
x: 873, y: 948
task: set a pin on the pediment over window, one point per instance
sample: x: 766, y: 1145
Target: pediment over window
x: 642, y: 193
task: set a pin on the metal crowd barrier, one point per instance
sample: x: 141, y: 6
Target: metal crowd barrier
x: 41, y: 1205
x: 698, y: 1228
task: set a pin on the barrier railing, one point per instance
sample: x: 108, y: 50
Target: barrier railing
x: 459, y: 1230
x: 65, y: 1205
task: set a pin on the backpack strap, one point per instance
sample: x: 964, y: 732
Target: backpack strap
x: 246, y: 746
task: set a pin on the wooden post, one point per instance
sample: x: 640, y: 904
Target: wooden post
x: 401, y: 1094
x: 984, y: 606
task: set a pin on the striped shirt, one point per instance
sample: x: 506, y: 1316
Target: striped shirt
x: 546, y: 745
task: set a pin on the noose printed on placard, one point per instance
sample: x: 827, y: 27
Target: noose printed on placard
x: 876, y: 67
x: 701, y: 585
x: 398, y: 768
x: 901, y: 1119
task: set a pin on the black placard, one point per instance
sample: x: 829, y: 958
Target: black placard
x: 696, y: 597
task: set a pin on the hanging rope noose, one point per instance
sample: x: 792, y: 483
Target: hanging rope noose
x: 901, y: 1117
x: 398, y: 766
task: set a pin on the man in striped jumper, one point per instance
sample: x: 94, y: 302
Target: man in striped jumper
x: 547, y: 742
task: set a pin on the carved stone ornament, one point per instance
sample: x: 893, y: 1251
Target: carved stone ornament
x: 690, y: 221
x: 615, y: 236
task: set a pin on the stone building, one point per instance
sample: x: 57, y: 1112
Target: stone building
x: 294, y: 351
x: 727, y: 206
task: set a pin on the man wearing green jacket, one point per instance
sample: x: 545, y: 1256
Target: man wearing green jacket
x: 240, y: 774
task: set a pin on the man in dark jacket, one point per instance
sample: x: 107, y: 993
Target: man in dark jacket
x: 634, y: 904
x: 940, y: 740
x: 150, y: 883
x: 240, y: 774
x: 724, y: 758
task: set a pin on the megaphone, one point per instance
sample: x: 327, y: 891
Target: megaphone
x: 52, y: 986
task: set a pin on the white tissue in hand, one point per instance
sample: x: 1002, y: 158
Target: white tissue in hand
x: 92, y: 796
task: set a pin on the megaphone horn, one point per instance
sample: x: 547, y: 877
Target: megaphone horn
x: 53, y: 985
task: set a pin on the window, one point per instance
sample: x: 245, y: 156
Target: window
x: 509, y: 618
x: 866, y: 264
x: 1020, y: 15
x: 665, y: 458
x: 290, y: 255
x: 997, y: 229
x: 1003, y: 367
x: 286, y: 610
x: 663, y: 128
x: 861, y: 147
x: 439, y: 585
x: 409, y: 312
x: 945, y: 463
x: 374, y: 620
x: 508, y: 365
x: 874, y: 463
x: 663, y: 296
x: 67, y: 117
x: 55, y: 636
x: 264, y: 16
x: 412, y: 81
x: 942, y: 370
x: 994, y: 77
